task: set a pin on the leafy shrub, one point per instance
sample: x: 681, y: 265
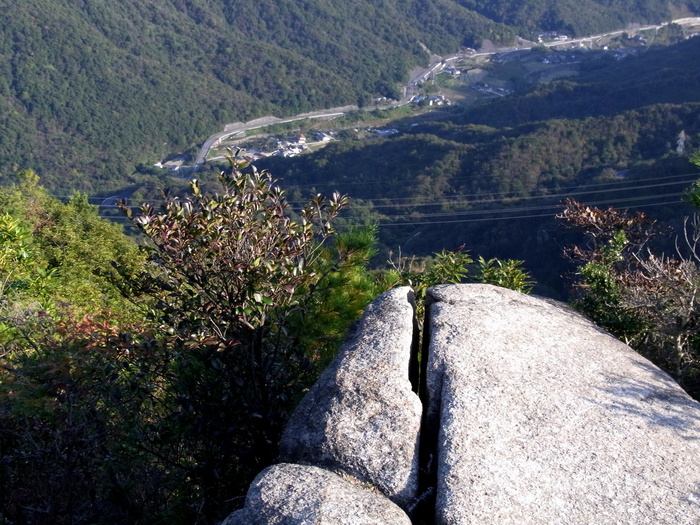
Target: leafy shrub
x: 228, y: 272
x: 649, y: 300
x: 508, y: 273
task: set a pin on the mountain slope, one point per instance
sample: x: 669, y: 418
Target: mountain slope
x: 605, y: 87
x: 493, y: 177
x: 583, y: 17
x: 95, y: 87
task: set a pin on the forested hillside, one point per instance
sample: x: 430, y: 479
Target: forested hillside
x: 96, y: 87
x: 492, y: 178
x: 606, y: 86
x: 461, y: 162
x: 92, y: 88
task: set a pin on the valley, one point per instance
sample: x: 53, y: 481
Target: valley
x: 526, y: 126
x: 467, y: 77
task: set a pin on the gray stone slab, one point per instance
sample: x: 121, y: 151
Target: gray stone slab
x: 544, y: 418
x: 287, y: 494
x: 362, y: 416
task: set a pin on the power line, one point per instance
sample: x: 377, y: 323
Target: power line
x: 506, y: 213
x: 531, y: 197
x: 451, y: 179
x: 495, y: 197
x: 511, y: 218
x: 546, y: 206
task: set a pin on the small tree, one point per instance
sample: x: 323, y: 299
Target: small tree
x: 228, y: 272
x: 650, y: 301
x: 507, y: 273
x: 238, y: 255
x: 338, y: 297
x: 444, y: 267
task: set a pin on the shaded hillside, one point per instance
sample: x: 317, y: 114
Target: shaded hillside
x: 441, y: 161
x: 497, y: 187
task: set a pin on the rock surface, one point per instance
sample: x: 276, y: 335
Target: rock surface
x: 362, y: 416
x: 544, y: 418
x: 287, y: 494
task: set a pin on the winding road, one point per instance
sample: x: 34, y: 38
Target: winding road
x: 418, y: 75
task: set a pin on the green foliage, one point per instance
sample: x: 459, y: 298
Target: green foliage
x: 236, y: 254
x: 448, y: 267
x: 605, y: 87
x: 439, y: 162
x: 648, y: 300
x: 60, y: 254
x: 77, y: 403
x: 611, y: 250
x: 443, y: 184
x: 89, y: 91
x: 343, y: 289
x: 668, y: 35
x: 444, y: 268
x: 692, y: 194
x: 695, y: 158
x: 168, y: 418
x: 227, y: 272
x: 15, y: 254
x: 602, y: 289
x: 507, y: 273
x: 67, y: 389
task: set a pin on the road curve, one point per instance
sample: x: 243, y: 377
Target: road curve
x: 239, y: 128
x: 437, y: 63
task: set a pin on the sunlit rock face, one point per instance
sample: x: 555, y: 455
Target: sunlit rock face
x: 530, y: 414
x: 287, y: 494
x: 362, y: 416
x: 544, y: 418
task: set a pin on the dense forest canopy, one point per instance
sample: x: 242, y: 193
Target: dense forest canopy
x: 92, y: 88
x: 579, y: 18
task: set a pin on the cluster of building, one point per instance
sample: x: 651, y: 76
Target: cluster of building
x: 551, y: 36
x: 287, y: 148
x: 491, y: 90
x: 434, y: 100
